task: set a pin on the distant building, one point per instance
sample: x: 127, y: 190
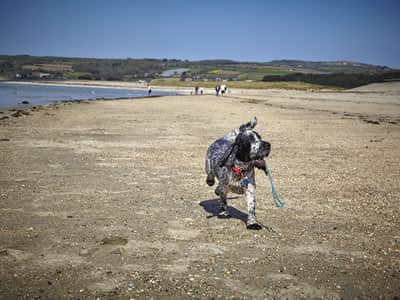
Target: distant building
x: 174, y: 72
x: 44, y: 75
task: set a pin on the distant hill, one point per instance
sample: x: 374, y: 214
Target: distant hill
x: 59, y: 68
x: 342, y: 80
x: 328, y: 66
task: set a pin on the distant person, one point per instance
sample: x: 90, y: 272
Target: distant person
x: 223, y: 89
x: 196, y: 90
x: 149, y: 91
x: 217, y: 89
x: 201, y: 91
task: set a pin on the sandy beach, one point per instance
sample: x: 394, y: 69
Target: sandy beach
x: 107, y: 199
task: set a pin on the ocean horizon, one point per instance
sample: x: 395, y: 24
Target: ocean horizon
x: 16, y: 94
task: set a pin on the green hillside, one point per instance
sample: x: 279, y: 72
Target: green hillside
x: 25, y: 67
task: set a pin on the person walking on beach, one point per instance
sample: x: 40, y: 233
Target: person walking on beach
x: 223, y: 89
x: 149, y: 91
x: 196, y: 90
x: 217, y: 89
x: 201, y: 91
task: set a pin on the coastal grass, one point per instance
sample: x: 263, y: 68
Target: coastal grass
x: 77, y: 75
x: 256, y: 73
x: 293, y: 85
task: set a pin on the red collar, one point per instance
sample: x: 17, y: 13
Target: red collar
x: 237, y: 171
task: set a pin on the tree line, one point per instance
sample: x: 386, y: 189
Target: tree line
x: 343, y: 80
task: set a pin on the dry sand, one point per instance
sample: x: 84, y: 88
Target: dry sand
x: 107, y: 199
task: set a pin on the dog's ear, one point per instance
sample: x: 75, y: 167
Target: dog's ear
x: 229, y: 156
x: 243, y: 147
x: 249, y: 125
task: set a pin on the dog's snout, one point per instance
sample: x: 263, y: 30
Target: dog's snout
x: 266, y: 147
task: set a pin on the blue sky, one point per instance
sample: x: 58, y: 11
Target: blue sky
x: 358, y: 30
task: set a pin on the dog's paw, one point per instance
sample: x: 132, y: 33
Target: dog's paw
x: 210, y: 181
x: 253, y: 225
x: 218, y: 191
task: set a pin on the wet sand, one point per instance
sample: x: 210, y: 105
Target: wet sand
x: 108, y: 199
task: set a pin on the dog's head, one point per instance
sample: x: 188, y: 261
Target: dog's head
x: 250, y: 146
x: 247, y: 146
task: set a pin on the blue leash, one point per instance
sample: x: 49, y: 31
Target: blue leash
x: 278, y: 202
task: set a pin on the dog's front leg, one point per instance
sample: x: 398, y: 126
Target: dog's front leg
x: 251, y: 204
x: 222, y: 201
x: 223, y: 211
x: 221, y: 191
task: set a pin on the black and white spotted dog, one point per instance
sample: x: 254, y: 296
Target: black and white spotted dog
x: 231, y: 159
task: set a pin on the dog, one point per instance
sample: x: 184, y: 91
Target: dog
x: 232, y: 159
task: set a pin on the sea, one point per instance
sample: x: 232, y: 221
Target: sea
x: 14, y: 94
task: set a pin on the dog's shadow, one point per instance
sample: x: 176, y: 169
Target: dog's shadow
x: 212, y: 207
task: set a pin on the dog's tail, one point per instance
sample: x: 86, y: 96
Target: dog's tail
x: 249, y: 125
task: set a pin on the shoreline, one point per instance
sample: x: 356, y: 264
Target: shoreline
x: 82, y: 85
x: 103, y: 84
x: 7, y: 111
x: 72, y: 83
x: 187, y: 90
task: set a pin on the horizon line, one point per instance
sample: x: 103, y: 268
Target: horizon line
x: 205, y: 59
